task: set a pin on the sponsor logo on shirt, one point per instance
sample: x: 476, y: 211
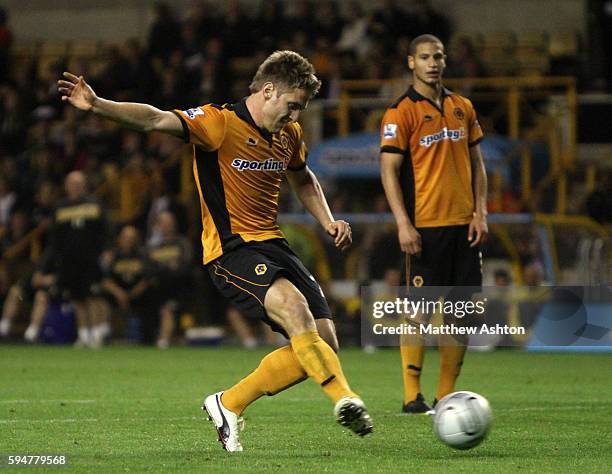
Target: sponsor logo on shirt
x: 268, y: 165
x: 444, y: 134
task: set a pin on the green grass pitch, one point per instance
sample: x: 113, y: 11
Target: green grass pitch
x: 138, y: 409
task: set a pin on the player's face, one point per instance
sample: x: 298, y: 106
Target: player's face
x: 280, y: 109
x: 428, y: 63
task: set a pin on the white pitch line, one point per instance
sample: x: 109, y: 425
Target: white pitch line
x: 97, y: 420
x: 11, y: 402
x: 200, y: 418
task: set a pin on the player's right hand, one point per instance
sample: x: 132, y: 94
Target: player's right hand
x: 409, y: 240
x: 76, y: 91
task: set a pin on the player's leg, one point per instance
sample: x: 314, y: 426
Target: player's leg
x: 466, y: 279
x: 286, y: 306
x: 278, y: 371
x: 412, y: 347
x: 429, y: 268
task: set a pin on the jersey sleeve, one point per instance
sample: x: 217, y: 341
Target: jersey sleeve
x: 203, y: 126
x: 300, y: 153
x: 393, y: 133
x: 475, y: 134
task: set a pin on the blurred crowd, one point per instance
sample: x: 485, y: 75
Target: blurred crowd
x: 204, y: 56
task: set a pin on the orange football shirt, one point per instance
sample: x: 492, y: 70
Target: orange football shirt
x: 238, y: 169
x: 436, y: 174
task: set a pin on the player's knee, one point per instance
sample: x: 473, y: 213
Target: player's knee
x: 292, y: 313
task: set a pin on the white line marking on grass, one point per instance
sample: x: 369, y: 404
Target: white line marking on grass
x: 200, y: 418
x: 97, y: 420
x: 11, y: 402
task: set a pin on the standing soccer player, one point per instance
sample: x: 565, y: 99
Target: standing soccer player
x: 435, y: 181
x: 241, y: 153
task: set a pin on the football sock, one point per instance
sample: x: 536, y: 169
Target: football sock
x: 451, y: 359
x: 276, y: 372
x: 412, y: 363
x: 322, y: 364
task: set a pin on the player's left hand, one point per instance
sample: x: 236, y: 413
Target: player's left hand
x: 341, y: 232
x: 479, y: 227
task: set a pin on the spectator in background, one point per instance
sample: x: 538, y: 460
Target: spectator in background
x: 127, y: 275
x: 424, y: 19
x: 171, y: 256
x: 464, y: 62
x: 140, y: 79
x: 6, y: 40
x: 77, y: 239
x: 329, y: 23
x: 354, y: 36
x: 299, y: 19
x: 269, y: 23
x: 33, y: 287
x: 13, y: 119
x: 7, y: 199
x: 389, y: 23
x: 236, y: 34
x: 165, y: 33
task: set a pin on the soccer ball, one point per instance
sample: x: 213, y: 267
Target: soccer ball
x: 462, y: 419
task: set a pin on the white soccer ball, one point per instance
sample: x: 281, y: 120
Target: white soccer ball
x: 462, y: 419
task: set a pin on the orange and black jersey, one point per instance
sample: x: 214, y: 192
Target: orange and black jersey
x: 436, y: 174
x: 238, y: 168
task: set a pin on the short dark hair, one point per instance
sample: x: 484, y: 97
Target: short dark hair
x: 288, y: 70
x: 427, y: 38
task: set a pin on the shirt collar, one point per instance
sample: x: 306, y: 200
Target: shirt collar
x: 243, y: 113
x: 415, y: 96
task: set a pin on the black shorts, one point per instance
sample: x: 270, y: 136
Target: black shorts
x: 446, y: 259
x: 245, y: 274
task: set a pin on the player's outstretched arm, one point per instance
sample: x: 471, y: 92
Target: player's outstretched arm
x: 408, y: 236
x: 141, y: 117
x: 308, y: 190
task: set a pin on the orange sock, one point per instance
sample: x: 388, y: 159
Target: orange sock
x: 322, y: 364
x: 451, y: 360
x: 412, y: 363
x: 276, y: 372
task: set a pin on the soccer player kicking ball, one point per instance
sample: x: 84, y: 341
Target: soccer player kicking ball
x: 241, y: 153
x: 436, y: 184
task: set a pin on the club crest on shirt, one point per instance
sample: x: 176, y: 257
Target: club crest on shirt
x: 252, y: 141
x: 390, y: 131
x: 192, y: 113
x: 459, y: 113
x: 260, y: 269
x: 284, y: 141
x: 417, y: 281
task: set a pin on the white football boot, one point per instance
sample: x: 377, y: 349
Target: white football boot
x: 228, y: 424
x: 351, y: 413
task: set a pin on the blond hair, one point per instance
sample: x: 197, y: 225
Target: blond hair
x: 287, y: 70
